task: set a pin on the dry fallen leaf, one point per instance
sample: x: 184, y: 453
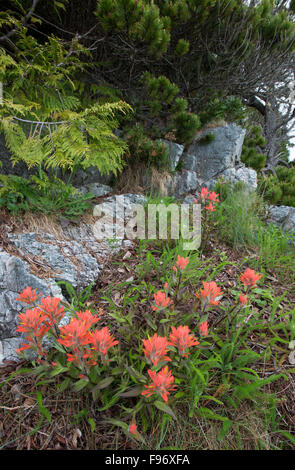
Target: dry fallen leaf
x: 291, y: 357
x: 117, y: 296
x: 127, y: 255
x: 29, y: 402
x: 77, y: 435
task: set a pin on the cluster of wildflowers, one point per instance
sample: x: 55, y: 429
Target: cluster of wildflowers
x: 181, y: 263
x: 156, y: 349
x: 86, y: 345
x: 162, y: 383
x: 181, y: 339
x: 82, y: 345
x: 249, y: 279
x: 210, y: 295
x: 33, y: 324
x: 161, y: 300
x: 210, y: 198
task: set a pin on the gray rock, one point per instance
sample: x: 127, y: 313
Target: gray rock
x: 204, y: 164
x: 68, y: 260
x: 91, y: 175
x: 183, y: 182
x: 280, y: 214
x: 97, y: 189
x: 212, y: 159
x: 234, y: 175
x: 175, y: 152
x: 15, y: 276
x: 284, y: 217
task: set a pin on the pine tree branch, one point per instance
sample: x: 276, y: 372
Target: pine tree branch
x: 11, y: 33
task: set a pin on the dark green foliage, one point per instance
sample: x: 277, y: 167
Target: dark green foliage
x: 230, y: 109
x: 42, y: 194
x: 207, y: 139
x: 143, y: 149
x: 279, y: 189
x: 168, y: 109
x: 252, y: 154
x: 42, y: 84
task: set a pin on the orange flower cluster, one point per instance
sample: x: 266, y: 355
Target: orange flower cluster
x: 243, y: 299
x: 249, y: 278
x: 27, y: 296
x: 162, y: 383
x: 101, y: 341
x: 209, y: 197
x: 182, y: 340
x: 133, y: 428
x: 84, y: 345
x: 33, y: 324
x: 155, y: 349
x: 37, y: 321
x: 161, y: 300
x: 52, y: 310
x: 204, y: 329
x: 181, y: 263
x: 210, y: 294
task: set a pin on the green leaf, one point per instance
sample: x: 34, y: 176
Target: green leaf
x: 104, y: 383
x: 117, y: 422
x: 226, y: 425
x: 163, y: 407
x: 80, y: 385
x: 43, y: 410
x: 92, y: 424
x: 134, y: 373
x: 64, y: 385
x: 207, y: 413
x: 58, y: 370
x: 288, y: 436
x: 132, y: 392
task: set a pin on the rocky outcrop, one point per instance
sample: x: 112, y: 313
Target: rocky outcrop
x: 284, y: 217
x: 203, y: 164
x: 175, y: 152
x: 212, y: 159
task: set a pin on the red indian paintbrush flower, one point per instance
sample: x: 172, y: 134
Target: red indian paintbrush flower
x: 155, y: 349
x: 32, y: 323
x: 27, y: 296
x: 210, y: 293
x: 182, y: 339
x: 133, y: 428
x: 210, y: 207
x: 161, y: 300
x: 204, y: 328
x: 161, y: 383
x: 249, y: 278
x: 181, y: 263
x: 101, y: 340
x: 76, y: 333
x: 213, y: 197
x: 53, y: 312
x: 204, y: 193
x: 243, y: 299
